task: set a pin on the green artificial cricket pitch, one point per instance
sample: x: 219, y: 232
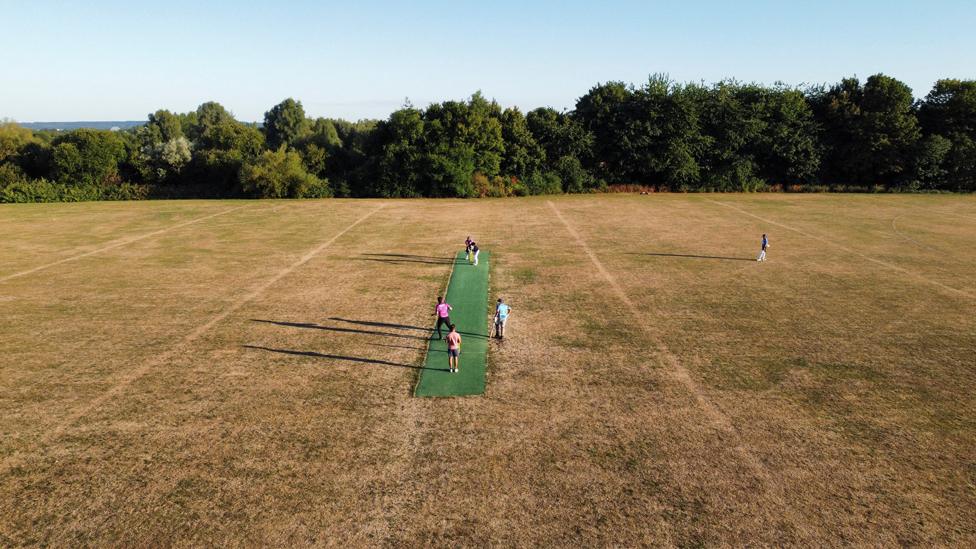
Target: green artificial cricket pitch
x: 467, y: 293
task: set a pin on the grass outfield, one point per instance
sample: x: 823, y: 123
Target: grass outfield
x: 240, y: 373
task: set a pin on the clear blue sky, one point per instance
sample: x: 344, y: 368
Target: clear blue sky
x: 120, y: 60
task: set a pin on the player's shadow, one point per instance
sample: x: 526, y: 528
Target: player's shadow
x: 361, y: 360
x: 402, y: 326
x: 407, y: 347
x: 379, y: 324
x: 309, y: 325
x: 692, y: 256
x: 406, y: 258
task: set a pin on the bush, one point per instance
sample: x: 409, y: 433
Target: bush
x: 44, y: 190
x: 631, y: 188
x: 574, y: 178
x: 87, y: 157
x: 495, y: 187
x: 126, y: 191
x: 543, y: 183
x: 11, y: 174
x: 317, y: 188
x: 281, y: 174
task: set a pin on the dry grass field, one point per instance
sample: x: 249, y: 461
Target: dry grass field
x: 240, y: 373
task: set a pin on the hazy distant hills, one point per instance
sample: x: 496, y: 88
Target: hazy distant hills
x: 96, y: 124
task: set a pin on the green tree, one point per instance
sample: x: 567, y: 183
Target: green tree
x: 207, y: 125
x: 604, y: 111
x: 285, y: 124
x: 394, y: 151
x: 755, y: 135
x: 649, y: 134
x: 731, y: 125
x: 319, y: 145
x: 559, y: 135
x: 931, y: 167
x: 870, y: 132
x: 87, y: 157
x: 13, y: 138
x: 159, y: 150
x: 164, y: 126
x: 523, y: 154
x: 574, y: 178
x: 460, y: 132
x: 280, y: 174
x: 221, y: 146
x: 347, y: 163
x: 789, y: 150
x: 949, y: 111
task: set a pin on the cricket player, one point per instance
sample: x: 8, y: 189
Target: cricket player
x: 762, y: 252
x: 453, y: 349
x: 502, y: 310
x: 443, y: 313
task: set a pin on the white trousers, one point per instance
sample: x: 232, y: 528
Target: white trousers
x: 476, y: 257
x: 762, y: 256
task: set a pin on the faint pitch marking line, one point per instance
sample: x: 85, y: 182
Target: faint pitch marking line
x: 891, y: 266
x: 678, y: 370
x: 716, y: 415
x: 117, y: 244
x: 894, y: 228
x: 148, y: 366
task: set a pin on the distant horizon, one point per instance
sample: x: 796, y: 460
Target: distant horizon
x: 402, y: 103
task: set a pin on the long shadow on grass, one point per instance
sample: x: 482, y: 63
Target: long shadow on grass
x: 311, y: 326
x: 692, y: 256
x: 379, y: 324
x: 406, y: 347
x: 404, y: 258
x: 314, y: 354
x: 403, y: 326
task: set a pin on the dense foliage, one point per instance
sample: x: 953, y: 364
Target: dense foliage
x: 728, y: 136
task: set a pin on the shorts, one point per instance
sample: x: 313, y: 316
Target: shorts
x: 453, y: 353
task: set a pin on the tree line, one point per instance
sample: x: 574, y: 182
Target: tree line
x: 664, y: 135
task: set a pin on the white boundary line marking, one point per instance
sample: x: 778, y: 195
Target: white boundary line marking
x: 117, y: 244
x: 165, y: 356
x: 718, y: 418
x: 891, y: 266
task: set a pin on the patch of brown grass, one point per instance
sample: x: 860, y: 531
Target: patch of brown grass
x: 847, y: 386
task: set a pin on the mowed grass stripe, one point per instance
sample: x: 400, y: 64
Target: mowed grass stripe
x: 467, y: 292
x: 118, y: 243
x: 183, y: 344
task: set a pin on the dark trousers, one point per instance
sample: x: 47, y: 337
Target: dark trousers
x: 446, y: 321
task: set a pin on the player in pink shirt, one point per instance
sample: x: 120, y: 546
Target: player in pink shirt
x: 443, y: 313
x: 453, y: 349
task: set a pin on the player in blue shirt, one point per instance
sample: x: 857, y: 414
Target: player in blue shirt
x: 762, y: 252
x: 501, y: 316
